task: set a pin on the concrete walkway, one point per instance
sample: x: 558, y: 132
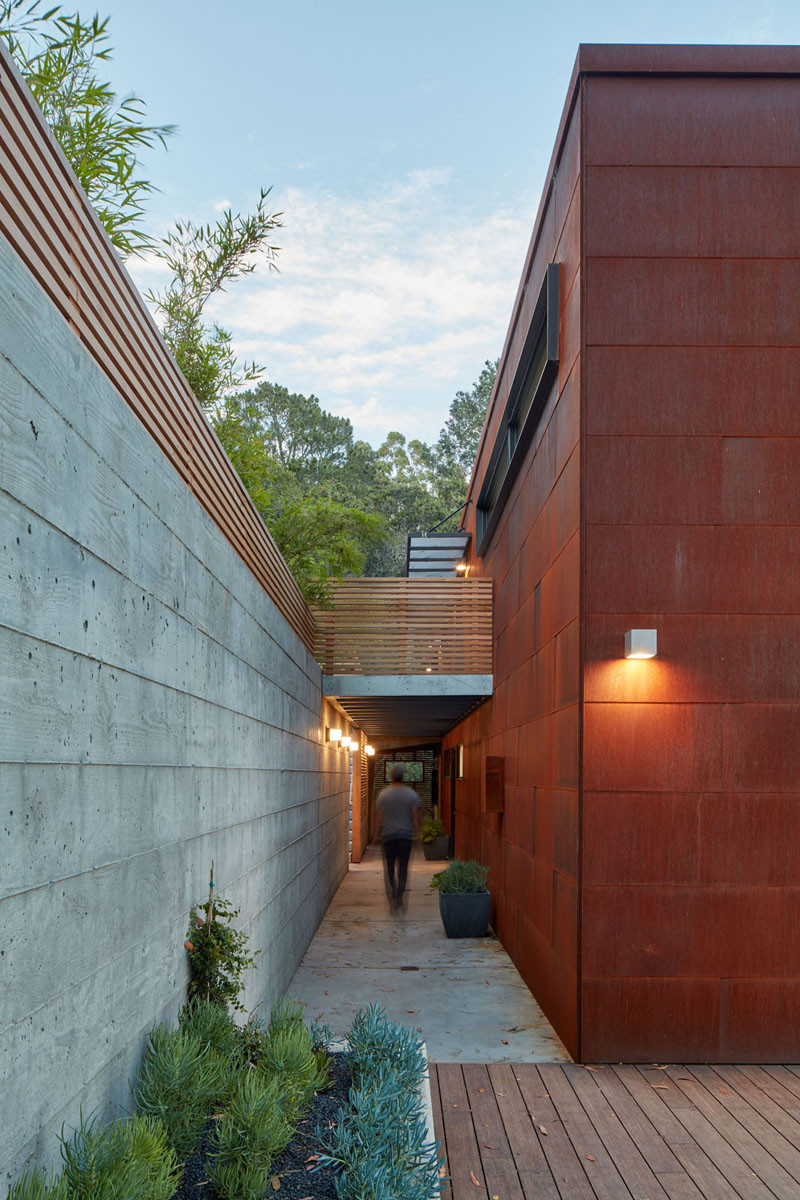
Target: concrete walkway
x: 465, y: 996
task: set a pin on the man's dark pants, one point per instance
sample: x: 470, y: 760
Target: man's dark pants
x: 397, y: 852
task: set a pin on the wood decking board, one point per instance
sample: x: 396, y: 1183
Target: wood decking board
x: 725, y: 1158
x: 563, y: 1132
x: 534, y: 1173
x: 436, y: 1105
x: 463, y: 1155
x: 764, y: 1082
x: 737, y: 1135
x: 769, y: 1124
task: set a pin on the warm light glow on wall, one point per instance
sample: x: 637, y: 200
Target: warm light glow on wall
x: 334, y: 735
x: 369, y: 750
x: 346, y: 741
x: 461, y: 568
x: 641, y: 643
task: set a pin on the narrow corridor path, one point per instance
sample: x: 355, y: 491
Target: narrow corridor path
x: 465, y: 996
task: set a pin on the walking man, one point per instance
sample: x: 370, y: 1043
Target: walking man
x: 397, y: 821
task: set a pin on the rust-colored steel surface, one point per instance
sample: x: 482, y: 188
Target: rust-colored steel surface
x: 406, y: 627
x: 48, y: 221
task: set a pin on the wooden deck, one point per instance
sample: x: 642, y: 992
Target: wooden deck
x: 567, y: 1132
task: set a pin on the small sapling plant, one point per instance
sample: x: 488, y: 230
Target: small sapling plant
x: 218, y: 954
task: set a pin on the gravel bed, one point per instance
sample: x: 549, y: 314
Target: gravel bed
x: 297, y: 1181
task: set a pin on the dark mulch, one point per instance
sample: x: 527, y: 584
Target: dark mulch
x: 297, y: 1182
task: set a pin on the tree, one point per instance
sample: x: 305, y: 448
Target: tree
x: 461, y: 433
x: 59, y: 56
x: 203, y: 260
x: 299, y: 433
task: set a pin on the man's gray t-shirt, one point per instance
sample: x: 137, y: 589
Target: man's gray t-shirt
x: 397, y: 803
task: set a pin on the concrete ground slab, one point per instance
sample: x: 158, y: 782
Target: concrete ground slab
x: 465, y: 996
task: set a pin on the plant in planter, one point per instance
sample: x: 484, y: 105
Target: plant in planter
x: 434, y: 840
x: 464, y: 901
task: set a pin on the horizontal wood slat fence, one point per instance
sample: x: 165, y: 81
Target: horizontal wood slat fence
x: 48, y: 221
x: 406, y: 627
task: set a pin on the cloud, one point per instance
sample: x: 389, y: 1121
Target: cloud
x: 386, y: 302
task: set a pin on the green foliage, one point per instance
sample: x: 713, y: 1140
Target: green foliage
x: 322, y: 539
x: 126, y: 1160
x: 211, y: 1026
x: 379, y: 1148
x: 252, y: 1039
x: 321, y: 1036
x: 218, y: 956
x: 376, y: 1044
x: 203, y: 260
x: 460, y: 876
x: 289, y: 1055
x: 430, y: 828
x: 247, y: 1139
x: 60, y: 56
x: 179, y: 1080
x: 36, y: 1184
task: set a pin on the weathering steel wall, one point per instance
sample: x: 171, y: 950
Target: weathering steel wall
x: 156, y: 712
x: 691, y: 771
x: 666, y: 792
x: 532, y: 719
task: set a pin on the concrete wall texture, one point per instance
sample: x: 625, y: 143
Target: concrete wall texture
x: 156, y: 712
x: 644, y: 870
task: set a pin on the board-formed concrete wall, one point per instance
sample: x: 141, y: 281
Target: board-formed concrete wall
x: 156, y: 712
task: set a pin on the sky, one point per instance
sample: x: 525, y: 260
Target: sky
x: 406, y: 146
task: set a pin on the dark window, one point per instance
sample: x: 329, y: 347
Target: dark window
x: 538, y: 367
x: 413, y: 772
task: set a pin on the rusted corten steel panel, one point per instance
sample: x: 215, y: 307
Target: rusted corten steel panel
x: 691, y: 525
x: 406, y: 627
x: 47, y: 219
x: 532, y: 722
x: 659, y: 491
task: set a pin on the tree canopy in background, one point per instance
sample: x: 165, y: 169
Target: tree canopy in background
x: 402, y: 486
x: 334, y: 505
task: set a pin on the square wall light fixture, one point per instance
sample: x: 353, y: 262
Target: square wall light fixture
x: 334, y: 735
x: 641, y: 643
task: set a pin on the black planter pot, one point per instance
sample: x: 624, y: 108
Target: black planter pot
x: 437, y: 849
x: 465, y: 914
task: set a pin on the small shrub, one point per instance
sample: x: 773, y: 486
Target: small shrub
x: 288, y: 1056
x: 290, y: 1047
x: 211, y: 1026
x: 376, y: 1045
x: 217, y: 956
x: 431, y: 828
x: 285, y: 1014
x: 249, y: 1137
x: 179, y: 1081
x: 321, y: 1036
x: 252, y: 1039
x: 379, y: 1148
x: 36, y: 1184
x: 126, y: 1160
x: 461, y: 876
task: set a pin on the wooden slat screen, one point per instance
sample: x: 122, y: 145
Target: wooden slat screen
x: 48, y: 221
x: 406, y: 627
